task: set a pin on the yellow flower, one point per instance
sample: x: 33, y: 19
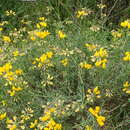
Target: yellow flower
x: 83, y: 12
x: 52, y: 109
x: 126, y: 87
x: 42, y: 34
x: 7, y: 67
x: 101, y: 53
x: 101, y: 6
x: 90, y: 46
x: 10, y: 12
x: 1, y: 29
x: 32, y: 125
x: 49, y: 54
x: 6, y: 39
x: 126, y: 23
x: 42, y: 18
x: 3, y: 102
x: 10, y: 76
x: 12, y: 127
x: 101, y: 63
x: 45, y: 117
x: 96, y: 90
x: 18, y: 72
x: 88, y: 128
x: 58, y: 127
x: 1, y: 50
x: 16, y: 88
x: 43, y: 58
x: 101, y: 120
x: 15, y: 53
x: 64, y: 61
x: 33, y: 38
x: 85, y: 65
x: 127, y: 56
x: 61, y: 34
x: 11, y: 93
x: 2, y: 116
x: 116, y: 34
x: 43, y: 24
x: 95, y: 112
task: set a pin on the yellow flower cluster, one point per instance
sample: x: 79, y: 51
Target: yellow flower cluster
x: 52, y: 125
x: 48, y: 80
x: 27, y: 114
x: 42, y: 23
x: 44, y: 59
x: 61, y: 34
x: 91, y: 47
x: 101, y: 58
x: 126, y: 87
x: 95, y: 112
x: 85, y: 65
x: 127, y: 56
x: 12, y: 124
x: 101, y: 53
x: 14, y: 90
x: 3, y: 23
x: 126, y: 24
x: 5, y: 68
x: 101, y: 63
x: 42, y: 34
x: 48, y: 120
x: 101, y: 6
x: 64, y: 62
x: 33, y: 124
x: 10, y: 12
x: 88, y: 128
x: 16, y: 53
x: 83, y: 12
x: 6, y: 72
x: 116, y: 34
x: 6, y: 39
x: 92, y: 93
